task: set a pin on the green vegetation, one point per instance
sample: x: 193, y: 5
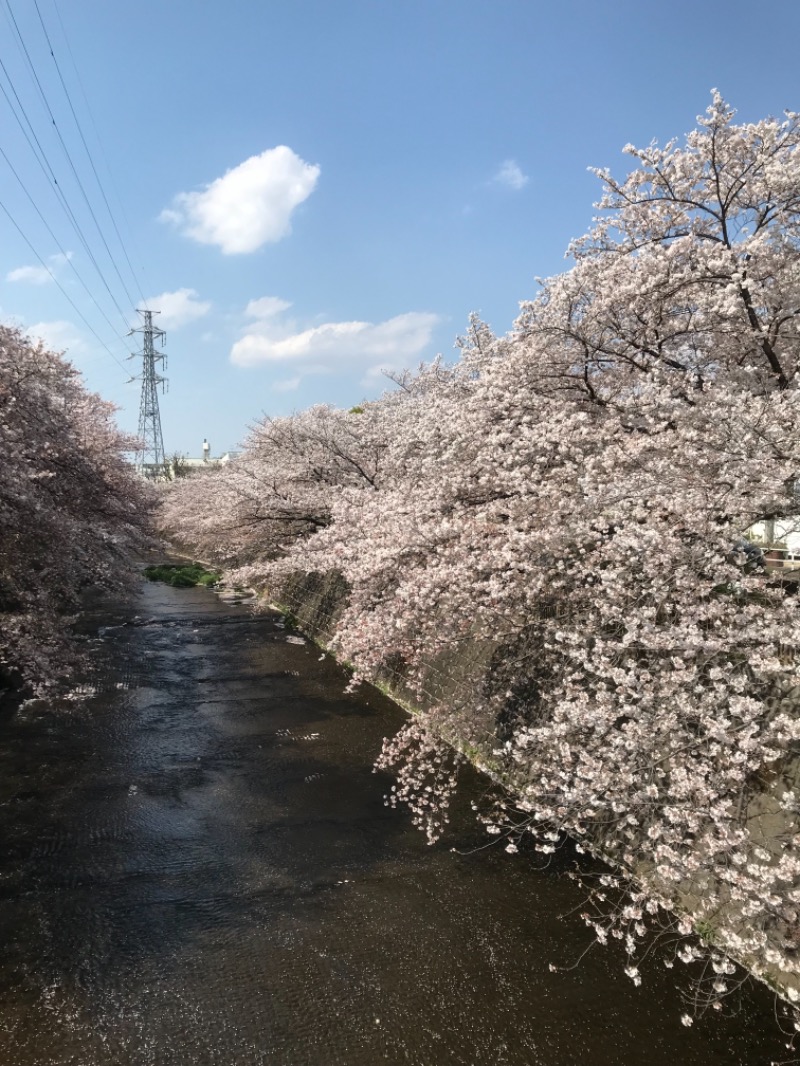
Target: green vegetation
x: 182, y: 576
x: 706, y: 931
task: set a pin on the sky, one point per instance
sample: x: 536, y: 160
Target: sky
x: 315, y: 192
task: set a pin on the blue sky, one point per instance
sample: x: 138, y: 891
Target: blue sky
x: 314, y: 190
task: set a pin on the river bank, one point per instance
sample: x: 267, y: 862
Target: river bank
x: 478, y: 695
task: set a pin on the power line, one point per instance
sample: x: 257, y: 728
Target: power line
x: 41, y: 157
x: 71, y: 164
x: 36, y: 146
x: 58, y: 244
x: 87, y: 105
x: 67, y: 296
x: 22, y: 118
x: 88, y: 153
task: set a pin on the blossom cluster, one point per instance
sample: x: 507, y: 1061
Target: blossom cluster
x: 577, y: 495
x: 70, y: 506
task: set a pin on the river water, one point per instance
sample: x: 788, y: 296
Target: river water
x: 198, y: 869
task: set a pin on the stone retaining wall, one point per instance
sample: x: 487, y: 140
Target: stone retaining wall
x: 464, y: 683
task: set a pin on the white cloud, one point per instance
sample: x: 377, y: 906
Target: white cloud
x: 39, y: 275
x: 266, y: 307
x: 58, y: 336
x: 250, y: 205
x: 397, y: 342
x: 510, y: 175
x: 178, y: 308
x: 33, y: 275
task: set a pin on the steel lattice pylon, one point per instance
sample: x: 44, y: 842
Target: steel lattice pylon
x: 150, y: 459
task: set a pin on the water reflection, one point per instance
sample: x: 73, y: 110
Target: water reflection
x: 198, y: 868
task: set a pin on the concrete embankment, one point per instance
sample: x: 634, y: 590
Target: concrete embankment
x: 468, y: 679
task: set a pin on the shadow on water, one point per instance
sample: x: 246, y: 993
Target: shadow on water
x: 198, y: 868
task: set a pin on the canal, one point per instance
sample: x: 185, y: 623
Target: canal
x: 198, y: 869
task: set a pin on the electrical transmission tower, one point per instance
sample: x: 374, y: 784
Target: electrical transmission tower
x: 150, y: 459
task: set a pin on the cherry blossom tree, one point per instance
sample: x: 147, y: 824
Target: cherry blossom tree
x: 279, y: 491
x: 70, y: 506
x: 577, y: 495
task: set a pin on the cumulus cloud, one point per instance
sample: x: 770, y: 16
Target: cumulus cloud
x: 510, y: 175
x: 372, y: 346
x: 178, y: 308
x: 249, y: 206
x: 39, y: 275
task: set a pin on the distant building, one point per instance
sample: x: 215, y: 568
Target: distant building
x: 181, y: 465
x: 780, y: 540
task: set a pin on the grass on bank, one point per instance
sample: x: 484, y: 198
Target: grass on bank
x: 182, y: 575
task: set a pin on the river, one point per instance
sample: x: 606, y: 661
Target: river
x: 198, y: 869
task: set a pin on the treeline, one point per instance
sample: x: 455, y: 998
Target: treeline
x: 579, y: 492
x: 70, y: 507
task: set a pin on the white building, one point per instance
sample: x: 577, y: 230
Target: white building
x: 188, y: 463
